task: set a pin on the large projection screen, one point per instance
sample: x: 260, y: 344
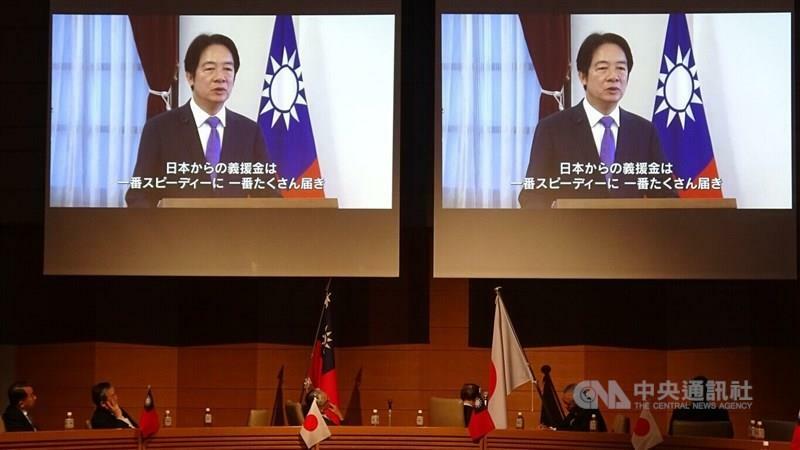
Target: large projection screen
x: 488, y: 94
x: 341, y: 220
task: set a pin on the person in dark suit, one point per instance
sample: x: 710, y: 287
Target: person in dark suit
x: 326, y: 407
x: 577, y: 418
x: 108, y: 413
x: 202, y: 133
x: 595, y: 132
x: 470, y: 395
x: 21, y: 399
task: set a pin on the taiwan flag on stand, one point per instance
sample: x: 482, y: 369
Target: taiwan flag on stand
x: 323, y: 366
x: 148, y: 421
x: 283, y: 115
x: 679, y: 115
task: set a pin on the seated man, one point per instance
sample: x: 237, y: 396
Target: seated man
x: 21, y: 400
x: 700, y: 410
x: 470, y: 393
x: 578, y: 419
x: 108, y: 413
x: 326, y: 407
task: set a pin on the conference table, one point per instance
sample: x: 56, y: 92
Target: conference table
x: 352, y: 437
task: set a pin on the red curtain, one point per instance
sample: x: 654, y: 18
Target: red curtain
x: 547, y: 35
x: 157, y: 42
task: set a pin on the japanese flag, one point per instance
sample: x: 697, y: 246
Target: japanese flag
x: 646, y: 433
x: 314, y: 429
x: 509, y: 370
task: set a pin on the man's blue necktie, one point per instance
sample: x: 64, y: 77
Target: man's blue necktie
x: 607, y: 146
x: 213, y: 146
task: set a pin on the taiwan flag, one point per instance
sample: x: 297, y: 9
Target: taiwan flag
x: 680, y: 118
x: 284, y: 119
x: 323, y: 365
x: 148, y: 421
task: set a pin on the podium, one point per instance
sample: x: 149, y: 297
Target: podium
x: 644, y: 203
x: 247, y: 202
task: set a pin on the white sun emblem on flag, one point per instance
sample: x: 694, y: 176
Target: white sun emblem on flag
x: 679, y: 87
x: 284, y: 89
x: 327, y: 338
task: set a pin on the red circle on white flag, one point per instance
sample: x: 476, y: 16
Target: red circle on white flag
x: 642, y: 427
x: 311, y: 423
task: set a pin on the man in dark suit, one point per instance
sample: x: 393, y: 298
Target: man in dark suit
x: 579, y: 419
x: 21, y: 399
x: 108, y: 413
x: 203, y: 134
x: 596, y: 137
x: 470, y: 395
x: 323, y: 403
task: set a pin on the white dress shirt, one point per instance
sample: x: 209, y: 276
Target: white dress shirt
x: 125, y: 419
x: 25, y: 413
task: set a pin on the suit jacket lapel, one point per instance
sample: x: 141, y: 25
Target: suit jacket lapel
x: 189, y: 136
x: 584, y: 141
x: 623, y: 153
x: 230, y: 143
x: 28, y: 418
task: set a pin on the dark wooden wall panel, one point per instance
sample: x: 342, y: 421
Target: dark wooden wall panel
x: 234, y: 378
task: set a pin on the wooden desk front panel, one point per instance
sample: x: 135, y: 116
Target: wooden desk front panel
x: 71, y: 440
x: 405, y: 438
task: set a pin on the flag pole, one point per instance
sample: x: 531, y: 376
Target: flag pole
x: 535, y: 381
x: 307, y: 380
x: 321, y: 315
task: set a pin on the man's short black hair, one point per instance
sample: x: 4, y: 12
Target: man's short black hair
x: 100, y: 392
x: 16, y: 393
x: 595, y: 40
x: 201, y: 43
x: 470, y: 391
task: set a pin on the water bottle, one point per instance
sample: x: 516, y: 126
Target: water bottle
x: 520, y: 422
x: 167, y: 419
x: 389, y: 414
x: 69, y: 422
x: 420, y: 420
x: 751, y: 430
x: 208, y: 419
x: 759, y: 430
x: 593, y: 423
x: 374, y: 419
